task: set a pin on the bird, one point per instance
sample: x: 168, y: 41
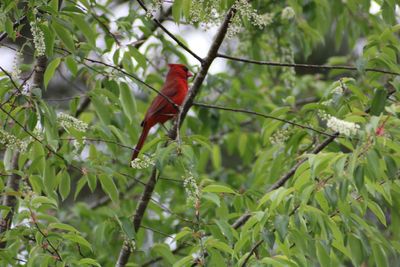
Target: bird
x: 161, y: 110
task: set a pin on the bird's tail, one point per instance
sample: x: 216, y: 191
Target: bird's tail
x: 142, y: 139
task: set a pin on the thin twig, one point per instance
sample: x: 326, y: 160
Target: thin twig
x: 34, y: 220
x: 309, y: 66
x: 203, y: 105
x: 253, y: 250
x: 181, y: 44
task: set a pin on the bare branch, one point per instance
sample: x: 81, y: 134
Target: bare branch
x: 253, y: 250
x: 203, y: 105
x: 9, y: 200
x: 309, y: 66
x: 156, y: 21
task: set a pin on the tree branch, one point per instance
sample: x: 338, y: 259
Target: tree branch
x: 309, y: 66
x: 203, y: 105
x: 9, y: 200
x: 181, y: 44
x: 253, y: 250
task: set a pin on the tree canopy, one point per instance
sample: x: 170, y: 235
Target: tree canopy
x: 285, y: 151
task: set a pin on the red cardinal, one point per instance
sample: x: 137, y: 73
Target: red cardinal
x: 161, y: 110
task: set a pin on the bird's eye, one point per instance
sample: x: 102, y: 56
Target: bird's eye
x: 185, y: 69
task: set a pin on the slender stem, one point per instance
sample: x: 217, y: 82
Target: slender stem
x: 181, y: 44
x: 308, y: 66
x: 203, y: 105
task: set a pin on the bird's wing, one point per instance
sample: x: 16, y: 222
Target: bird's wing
x: 169, y: 90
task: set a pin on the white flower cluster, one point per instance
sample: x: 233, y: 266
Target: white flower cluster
x: 153, y: 8
x: 192, y: 190
x: 26, y: 89
x: 79, y: 144
x: 67, y: 121
x: 245, y: 10
x: 288, y: 13
x: 338, y: 90
x: 279, y: 137
x: 289, y: 74
x: 38, y: 39
x: 12, y: 142
x: 16, y: 72
x: 204, y: 12
x: 143, y: 163
x: 343, y: 127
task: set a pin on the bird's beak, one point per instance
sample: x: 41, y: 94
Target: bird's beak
x: 189, y: 74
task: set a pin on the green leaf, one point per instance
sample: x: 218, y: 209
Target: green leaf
x: 165, y: 252
x: 218, y: 189
x: 377, y: 211
x: 54, y: 5
x: 378, y: 102
x: 72, y: 65
x: 84, y: 26
x: 63, y: 226
x: 216, y: 157
x: 272, y: 262
x: 185, y: 261
x: 65, y: 185
x: 281, y: 223
x: 40, y: 200
x: 64, y: 35
x: 92, y: 181
x: 140, y: 59
x: 88, y: 261
x: 323, y: 256
x: 36, y: 183
x: 49, y: 38
x: 373, y: 164
x: 9, y: 27
x: 77, y: 239
x: 177, y: 10
x: 51, y: 68
x: 80, y: 185
x: 212, y: 197
x: 380, y: 257
x: 127, y: 101
x: 214, y: 243
x: 109, y: 187
x: 275, y: 196
x: 127, y: 227
x: 101, y: 109
x: 184, y: 232
x: 50, y: 180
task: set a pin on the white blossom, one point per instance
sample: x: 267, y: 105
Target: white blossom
x: 12, y: 142
x: 38, y: 39
x: 279, y: 137
x: 143, y: 162
x: 288, y: 13
x: 245, y: 10
x: 343, y: 127
x: 153, y: 8
x: 16, y: 72
x: 192, y: 190
x: 67, y: 121
x: 338, y: 90
x: 78, y: 144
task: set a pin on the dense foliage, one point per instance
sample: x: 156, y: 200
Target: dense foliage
x: 274, y: 165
